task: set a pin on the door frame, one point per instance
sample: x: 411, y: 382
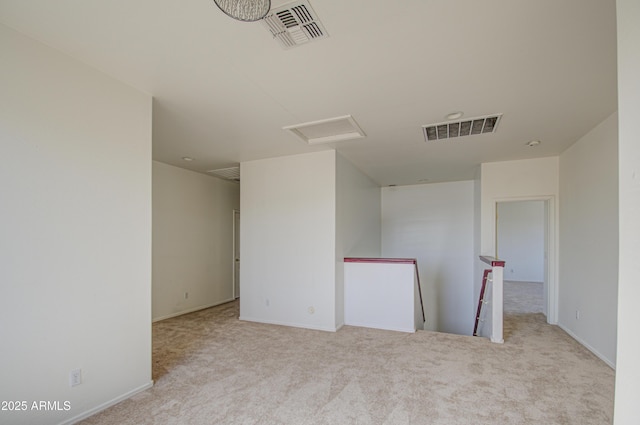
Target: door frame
x: 551, y: 245
x: 235, y: 244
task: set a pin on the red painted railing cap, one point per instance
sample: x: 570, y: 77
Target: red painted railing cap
x: 492, y: 260
x: 380, y: 260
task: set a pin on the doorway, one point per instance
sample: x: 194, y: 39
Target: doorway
x: 524, y: 237
x: 236, y: 254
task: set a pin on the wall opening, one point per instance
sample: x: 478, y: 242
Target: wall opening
x: 524, y: 239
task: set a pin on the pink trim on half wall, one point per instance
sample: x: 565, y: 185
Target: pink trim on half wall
x: 493, y: 261
x: 380, y: 260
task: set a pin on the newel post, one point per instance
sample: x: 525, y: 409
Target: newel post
x: 497, y: 284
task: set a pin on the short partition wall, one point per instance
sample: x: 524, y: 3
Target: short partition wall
x: 492, y: 302
x: 383, y: 293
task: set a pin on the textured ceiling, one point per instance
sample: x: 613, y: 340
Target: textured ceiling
x: 224, y: 89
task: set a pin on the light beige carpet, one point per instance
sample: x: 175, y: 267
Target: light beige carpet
x: 211, y: 368
x: 523, y: 297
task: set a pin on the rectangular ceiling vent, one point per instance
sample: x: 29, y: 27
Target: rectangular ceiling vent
x: 327, y: 131
x: 231, y: 173
x: 294, y: 24
x: 461, y: 128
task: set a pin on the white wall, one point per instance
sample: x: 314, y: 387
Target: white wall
x: 75, y: 234
x: 511, y: 181
x: 434, y: 223
x: 515, y: 181
x: 477, y: 235
x: 627, y: 408
x: 358, y: 221
x: 359, y: 211
x: 521, y: 240
x: 382, y: 296
x: 589, y: 239
x: 192, y: 240
x: 288, y: 240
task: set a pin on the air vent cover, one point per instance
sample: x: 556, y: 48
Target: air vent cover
x: 466, y: 127
x: 294, y: 24
x: 231, y: 173
x: 327, y: 131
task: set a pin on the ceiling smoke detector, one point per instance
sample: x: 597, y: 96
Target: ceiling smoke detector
x: 454, y: 115
x: 294, y: 24
x: 466, y: 127
x: 231, y: 173
x: 327, y: 131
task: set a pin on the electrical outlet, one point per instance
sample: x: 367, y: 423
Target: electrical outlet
x: 75, y: 377
x: 266, y: 302
x: 577, y: 314
x: 186, y: 295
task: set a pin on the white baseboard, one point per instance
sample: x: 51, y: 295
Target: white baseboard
x: 381, y: 327
x: 107, y: 404
x: 293, y: 325
x: 191, y: 310
x: 611, y: 364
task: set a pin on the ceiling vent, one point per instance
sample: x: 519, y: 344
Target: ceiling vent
x: 231, y: 173
x: 294, y: 24
x: 466, y: 127
x: 327, y: 131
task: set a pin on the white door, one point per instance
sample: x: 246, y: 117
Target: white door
x: 236, y: 254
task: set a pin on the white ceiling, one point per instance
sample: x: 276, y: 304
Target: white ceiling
x: 224, y: 89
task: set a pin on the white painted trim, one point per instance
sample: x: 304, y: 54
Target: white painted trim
x: 382, y: 326
x: 107, y: 404
x: 293, y: 325
x: 588, y: 347
x: 497, y: 304
x: 191, y: 310
x: 552, y: 240
x: 233, y: 253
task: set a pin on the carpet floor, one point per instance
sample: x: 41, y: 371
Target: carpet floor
x: 523, y: 297
x: 211, y: 368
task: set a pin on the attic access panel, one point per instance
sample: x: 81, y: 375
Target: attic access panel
x: 327, y: 131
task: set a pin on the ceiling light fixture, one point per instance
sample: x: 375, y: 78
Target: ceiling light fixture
x: 455, y: 115
x: 533, y: 143
x: 187, y: 158
x: 245, y: 10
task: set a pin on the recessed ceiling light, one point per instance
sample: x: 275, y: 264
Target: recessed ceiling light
x: 187, y: 158
x: 454, y: 115
x: 533, y: 143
